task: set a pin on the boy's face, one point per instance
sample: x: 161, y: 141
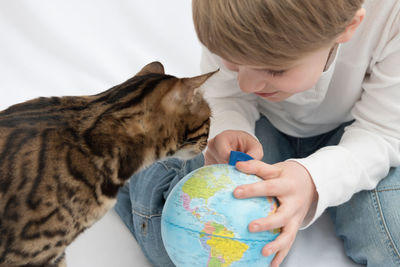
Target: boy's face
x: 278, y: 85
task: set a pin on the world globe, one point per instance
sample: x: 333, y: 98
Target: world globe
x: 203, y: 224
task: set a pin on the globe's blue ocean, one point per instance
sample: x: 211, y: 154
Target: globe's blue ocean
x: 204, y: 225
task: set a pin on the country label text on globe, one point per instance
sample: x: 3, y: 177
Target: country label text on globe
x: 204, y: 225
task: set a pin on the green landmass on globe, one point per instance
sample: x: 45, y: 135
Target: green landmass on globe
x: 204, y: 225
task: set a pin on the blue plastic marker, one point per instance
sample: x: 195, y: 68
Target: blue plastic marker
x: 236, y: 156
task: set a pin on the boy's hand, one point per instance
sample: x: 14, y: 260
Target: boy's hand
x: 219, y: 148
x: 292, y: 185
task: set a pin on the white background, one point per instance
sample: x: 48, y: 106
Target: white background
x: 54, y: 48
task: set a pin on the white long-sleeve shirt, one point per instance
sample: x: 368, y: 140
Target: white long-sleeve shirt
x: 362, y: 84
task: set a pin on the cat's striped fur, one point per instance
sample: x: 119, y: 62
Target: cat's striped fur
x: 62, y: 160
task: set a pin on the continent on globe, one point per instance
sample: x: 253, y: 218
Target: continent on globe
x: 202, y: 224
x: 223, y: 251
x: 199, y: 187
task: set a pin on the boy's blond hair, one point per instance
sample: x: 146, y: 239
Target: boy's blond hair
x: 273, y: 33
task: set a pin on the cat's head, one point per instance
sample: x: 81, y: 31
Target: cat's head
x: 164, y: 115
x: 182, y: 119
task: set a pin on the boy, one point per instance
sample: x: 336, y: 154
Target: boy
x: 310, y: 89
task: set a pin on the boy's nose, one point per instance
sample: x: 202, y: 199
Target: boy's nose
x: 251, y: 82
x: 250, y: 87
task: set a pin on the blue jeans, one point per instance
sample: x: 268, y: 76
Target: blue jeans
x: 369, y: 223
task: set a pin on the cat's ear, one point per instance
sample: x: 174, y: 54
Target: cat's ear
x: 192, y: 85
x: 187, y: 91
x: 153, y: 67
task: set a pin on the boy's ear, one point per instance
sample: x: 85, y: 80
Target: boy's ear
x: 352, y: 27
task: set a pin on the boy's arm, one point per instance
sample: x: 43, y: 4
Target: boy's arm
x: 231, y: 108
x: 371, y: 145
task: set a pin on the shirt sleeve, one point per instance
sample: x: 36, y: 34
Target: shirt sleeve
x: 370, y: 146
x: 231, y: 108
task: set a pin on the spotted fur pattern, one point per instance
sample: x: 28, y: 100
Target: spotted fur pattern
x: 63, y: 159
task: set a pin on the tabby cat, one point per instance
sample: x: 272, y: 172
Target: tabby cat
x: 62, y: 160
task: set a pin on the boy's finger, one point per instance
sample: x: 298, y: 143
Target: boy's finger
x: 209, y: 158
x: 259, y: 168
x: 274, y: 221
x: 282, y: 243
x: 279, y: 257
x: 256, y: 152
x: 272, y: 188
x: 216, y: 152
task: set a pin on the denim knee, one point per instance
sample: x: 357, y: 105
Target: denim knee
x: 124, y: 207
x: 369, y: 224
x: 148, y: 191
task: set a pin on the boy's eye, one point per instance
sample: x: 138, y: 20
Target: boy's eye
x: 276, y: 72
x: 273, y: 73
